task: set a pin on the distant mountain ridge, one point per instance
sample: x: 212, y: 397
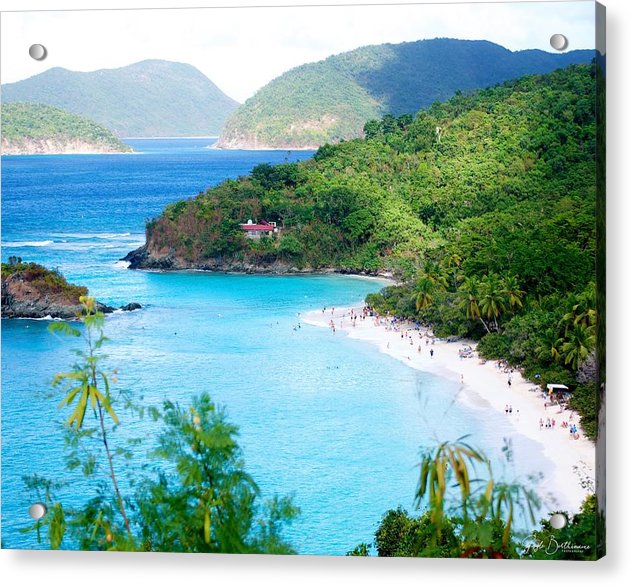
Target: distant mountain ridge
x: 31, y: 129
x: 149, y: 98
x: 331, y: 100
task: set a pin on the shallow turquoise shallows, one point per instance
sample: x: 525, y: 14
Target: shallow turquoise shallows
x: 326, y: 419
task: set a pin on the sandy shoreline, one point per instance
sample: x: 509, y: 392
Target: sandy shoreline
x: 573, y: 461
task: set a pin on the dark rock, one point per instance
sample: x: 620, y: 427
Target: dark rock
x: 588, y: 370
x: 104, y: 308
x: 131, y: 307
x: 142, y: 259
x: 136, y: 258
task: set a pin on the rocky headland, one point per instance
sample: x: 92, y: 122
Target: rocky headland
x: 32, y: 291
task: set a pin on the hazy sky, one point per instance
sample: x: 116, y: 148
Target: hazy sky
x: 242, y: 49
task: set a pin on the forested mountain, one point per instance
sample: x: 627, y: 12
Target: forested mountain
x: 484, y: 206
x: 332, y: 99
x: 150, y: 98
x: 39, y: 129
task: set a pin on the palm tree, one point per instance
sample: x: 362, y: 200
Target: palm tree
x: 435, y: 274
x: 453, y: 265
x: 549, y: 346
x: 577, y: 346
x: 512, y: 291
x: 470, y: 290
x: 424, y: 289
x: 493, y: 300
x: 583, y: 309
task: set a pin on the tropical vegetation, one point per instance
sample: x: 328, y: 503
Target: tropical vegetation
x: 45, y: 281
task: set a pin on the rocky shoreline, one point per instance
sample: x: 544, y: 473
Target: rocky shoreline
x: 142, y: 259
x: 57, y: 146
x: 31, y: 291
x: 42, y: 309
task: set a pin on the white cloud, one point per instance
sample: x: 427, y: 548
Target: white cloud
x: 242, y: 49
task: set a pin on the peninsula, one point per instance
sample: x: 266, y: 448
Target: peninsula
x: 35, y: 129
x: 30, y: 290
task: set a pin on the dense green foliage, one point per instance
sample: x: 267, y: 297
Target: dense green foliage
x: 44, y: 280
x: 197, y: 495
x: 331, y: 100
x: 400, y: 535
x: 23, y: 123
x: 150, y: 98
x: 484, y: 206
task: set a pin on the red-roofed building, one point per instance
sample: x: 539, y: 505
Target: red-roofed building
x: 255, y: 231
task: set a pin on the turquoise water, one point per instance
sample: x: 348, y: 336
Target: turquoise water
x: 327, y: 419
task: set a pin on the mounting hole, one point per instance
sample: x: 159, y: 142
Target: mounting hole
x: 37, y: 511
x: 559, y: 42
x: 558, y: 520
x: 38, y: 52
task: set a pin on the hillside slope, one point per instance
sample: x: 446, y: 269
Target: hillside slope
x: 150, y: 98
x: 38, y: 129
x: 331, y: 100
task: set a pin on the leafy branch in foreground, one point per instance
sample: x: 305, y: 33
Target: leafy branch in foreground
x: 466, y: 512
x: 485, y: 509
x: 83, y: 382
x: 197, y: 496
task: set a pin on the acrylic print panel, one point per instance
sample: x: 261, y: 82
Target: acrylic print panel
x: 315, y: 280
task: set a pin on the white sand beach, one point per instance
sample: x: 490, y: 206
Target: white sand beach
x: 486, y: 385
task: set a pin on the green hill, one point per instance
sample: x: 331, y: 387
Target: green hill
x: 331, y: 100
x: 150, y: 98
x: 39, y: 129
x: 484, y: 206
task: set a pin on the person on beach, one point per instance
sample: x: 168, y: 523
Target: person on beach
x: 419, y: 348
x: 461, y: 377
x: 540, y: 423
x: 431, y: 352
x: 510, y: 409
x: 506, y: 409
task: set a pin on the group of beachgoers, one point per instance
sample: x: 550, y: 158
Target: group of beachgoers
x: 550, y: 422
x: 353, y: 316
x: 419, y: 335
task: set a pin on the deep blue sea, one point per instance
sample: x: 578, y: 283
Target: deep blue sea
x: 329, y: 420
